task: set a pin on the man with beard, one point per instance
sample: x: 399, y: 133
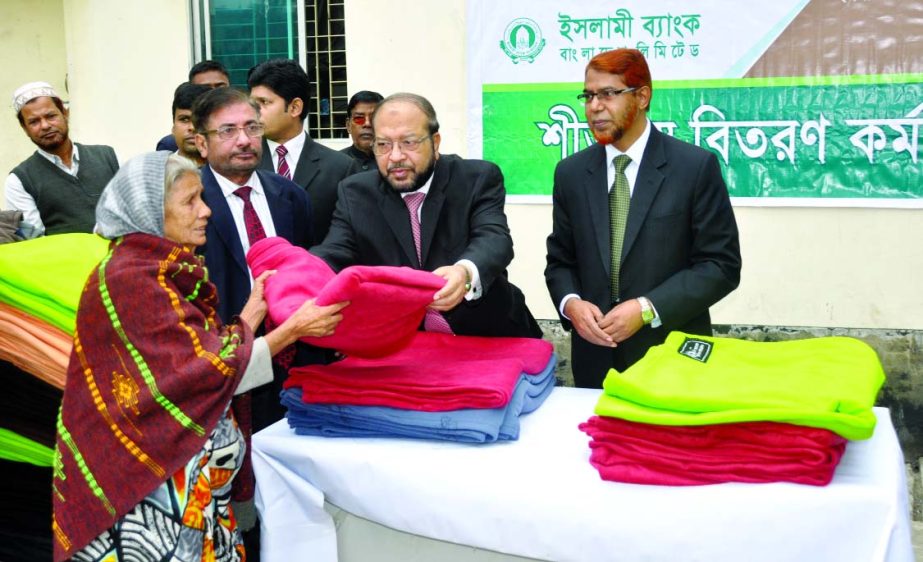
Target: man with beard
x: 183, y: 130
x: 644, y: 238
x: 359, y: 125
x: 58, y: 186
x: 436, y: 212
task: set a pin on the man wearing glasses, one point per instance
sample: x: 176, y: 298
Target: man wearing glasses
x: 359, y: 125
x: 280, y: 87
x: 644, y: 238
x: 436, y: 212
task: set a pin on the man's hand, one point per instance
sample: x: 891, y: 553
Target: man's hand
x: 585, y: 316
x: 623, y: 321
x: 448, y: 297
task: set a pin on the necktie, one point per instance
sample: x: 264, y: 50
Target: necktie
x: 434, y: 321
x: 283, y: 165
x: 619, y: 200
x: 252, y: 223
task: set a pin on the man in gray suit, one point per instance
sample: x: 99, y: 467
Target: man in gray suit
x: 281, y: 88
x: 644, y: 238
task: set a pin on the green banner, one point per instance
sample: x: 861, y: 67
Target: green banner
x: 843, y: 138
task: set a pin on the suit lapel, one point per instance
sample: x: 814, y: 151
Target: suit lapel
x: 398, y: 220
x: 597, y: 194
x: 432, y: 207
x: 222, y: 218
x: 266, y: 160
x: 281, y: 212
x: 307, y: 166
x: 647, y: 184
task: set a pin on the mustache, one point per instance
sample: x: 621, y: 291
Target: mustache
x: 399, y: 167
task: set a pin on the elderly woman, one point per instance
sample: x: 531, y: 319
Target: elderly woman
x: 147, y: 446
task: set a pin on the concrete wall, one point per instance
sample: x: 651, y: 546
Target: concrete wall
x: 32, y: 37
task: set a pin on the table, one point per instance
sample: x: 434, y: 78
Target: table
x: 539, y: 498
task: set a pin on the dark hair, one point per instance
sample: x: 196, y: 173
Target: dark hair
x: 57, y: 101
x: 365, y: 96
x: 285, y: 78
x: 207, y: 65
x: 432, y: 124
x: 185, y: 94
x: 627, y: 63
x: 216, y: 99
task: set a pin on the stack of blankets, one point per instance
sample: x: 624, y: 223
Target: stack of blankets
x: 396, y: 381
x: 706, y: 410
x: 40, y: 285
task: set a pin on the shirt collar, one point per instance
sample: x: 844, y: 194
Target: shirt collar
x: 294, y: 144
x: 425, y: 189
x: 636, y: 150
x: 228, y: 187
x: 56, y: 160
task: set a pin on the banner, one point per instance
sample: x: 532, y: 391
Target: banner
x: 798, y: 108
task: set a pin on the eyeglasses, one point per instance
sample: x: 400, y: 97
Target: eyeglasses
x: 604, y: 95
x: 228, y: 132
x: 359, y: 119
x: 382, y: 147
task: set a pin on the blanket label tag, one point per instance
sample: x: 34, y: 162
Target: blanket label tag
x: 700, y: 350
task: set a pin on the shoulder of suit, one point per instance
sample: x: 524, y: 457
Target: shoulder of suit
x: 327, y: 153
x: 679, y: 148
x: 582, y: 157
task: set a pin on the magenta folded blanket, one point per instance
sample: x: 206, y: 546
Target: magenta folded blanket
x: 639, y: 453
x: 386, y: 307
x: 435, y: 373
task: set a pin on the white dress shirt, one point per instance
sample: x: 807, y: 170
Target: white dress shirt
x: 17, y: 198
x: 294, y: 146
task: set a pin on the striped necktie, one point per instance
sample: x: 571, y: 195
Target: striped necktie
x: 284, y: 170
x: 434, y: 321
x: 619, y: 200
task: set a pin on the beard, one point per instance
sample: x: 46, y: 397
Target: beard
x: 419, y: 179
x: 52, y: 141
x: 622, y: 123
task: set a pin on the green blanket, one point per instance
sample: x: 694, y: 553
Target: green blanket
x: 15, y: 447
x: 45, y: 276
x: 831, y: 383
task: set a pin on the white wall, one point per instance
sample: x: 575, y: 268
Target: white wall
x: 124, y: 59
x: 32, y: 41
x: 802, y: 266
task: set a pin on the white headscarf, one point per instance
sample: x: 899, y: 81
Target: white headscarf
x: 133, y: 199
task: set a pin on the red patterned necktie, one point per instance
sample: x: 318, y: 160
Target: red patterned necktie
x: 434, y: 321
x: 252, y: 223
x: 283, y: 165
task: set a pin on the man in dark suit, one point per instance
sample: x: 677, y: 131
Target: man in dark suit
x: 359, y: 112
x: 228, y: 136
x: 434, y: 212
x: 280, y: 87
x: 640, y: 246
x: 208, y: 73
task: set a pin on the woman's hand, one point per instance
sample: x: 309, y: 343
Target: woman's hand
x: 255, y: 308
x: 308, y: 320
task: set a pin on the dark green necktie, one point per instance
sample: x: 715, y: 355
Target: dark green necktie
x: 619, y: 199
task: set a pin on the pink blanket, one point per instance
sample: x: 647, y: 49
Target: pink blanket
x: 625, y: 451
x: 436, y: 372
x: 386, y: 307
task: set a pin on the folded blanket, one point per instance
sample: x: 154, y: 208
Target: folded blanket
x: 831, y: 383
x: 386, y: 307
x: 625, y: 451
x: 45, y: 276
x: 436, y: 373
x: 468, y: 425
x: 34, y: 346
x: 15, y: 447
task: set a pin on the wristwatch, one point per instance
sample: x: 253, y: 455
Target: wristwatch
x: 647, y: 311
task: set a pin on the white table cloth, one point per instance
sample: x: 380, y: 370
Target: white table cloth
x: 539, y: 497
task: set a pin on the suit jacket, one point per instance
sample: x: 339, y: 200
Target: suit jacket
x: 462, y: 218
x: 224, y: 254
x: 318, y: 171
x: 680, y: 250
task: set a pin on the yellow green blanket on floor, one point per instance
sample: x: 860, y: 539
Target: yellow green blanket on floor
x: 829, y: 382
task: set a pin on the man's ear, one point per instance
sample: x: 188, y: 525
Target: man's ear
x: 201, y: 145
x: 296, y: 107
x: 436, y: 140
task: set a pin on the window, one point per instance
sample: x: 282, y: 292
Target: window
x: 243, y: 33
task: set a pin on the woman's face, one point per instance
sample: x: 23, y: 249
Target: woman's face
x: 185, y: 215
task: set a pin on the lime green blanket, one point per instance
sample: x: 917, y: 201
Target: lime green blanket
x: 831, y: 383
x: 15, y: 447
x: 45, y: 276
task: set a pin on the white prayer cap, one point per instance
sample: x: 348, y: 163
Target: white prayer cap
x: 28, y: 92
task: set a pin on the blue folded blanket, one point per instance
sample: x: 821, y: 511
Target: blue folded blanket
x: 470, y: 425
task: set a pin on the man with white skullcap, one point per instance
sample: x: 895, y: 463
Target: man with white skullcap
x: 58, y: 186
